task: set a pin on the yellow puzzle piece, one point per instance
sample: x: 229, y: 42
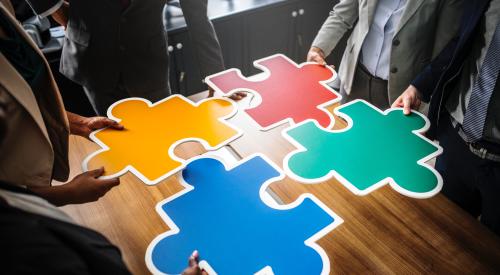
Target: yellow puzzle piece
x: 146, y: 146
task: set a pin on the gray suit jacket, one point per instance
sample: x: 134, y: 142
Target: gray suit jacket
x: 104, y: 44
x: 425, y: 28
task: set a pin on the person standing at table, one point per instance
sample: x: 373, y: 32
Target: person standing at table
x: 391, y: 41
x: 39, y: 238
x: 35, y: 147
x: 118, y: 49
x: 463, y: 87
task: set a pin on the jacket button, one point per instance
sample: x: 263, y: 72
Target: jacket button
x: 394, y: 70
x: 396, y: 42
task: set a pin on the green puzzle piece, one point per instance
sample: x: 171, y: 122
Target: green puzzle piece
x: 377, y: 148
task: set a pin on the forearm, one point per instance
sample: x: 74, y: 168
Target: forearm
x: 76, y: 123
x: 57, y: 195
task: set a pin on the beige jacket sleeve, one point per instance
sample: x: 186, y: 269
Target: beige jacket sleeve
x: 341, y: 19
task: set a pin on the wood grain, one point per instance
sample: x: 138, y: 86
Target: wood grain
x: 383, y: 232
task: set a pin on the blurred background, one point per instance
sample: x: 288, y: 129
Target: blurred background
x: 247, y: 30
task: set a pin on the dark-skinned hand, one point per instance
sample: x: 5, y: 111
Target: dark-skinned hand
x: 83, y: 126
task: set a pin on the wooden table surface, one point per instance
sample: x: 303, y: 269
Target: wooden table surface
x: 383, y: 232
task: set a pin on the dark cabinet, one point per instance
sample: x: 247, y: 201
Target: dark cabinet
x: 185, y: 76
x: 310, y: 16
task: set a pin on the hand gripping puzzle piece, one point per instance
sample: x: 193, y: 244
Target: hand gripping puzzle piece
x: 289, y: 91
x: 224, y: 214
x: 376, y: 148
x: 152, y: 131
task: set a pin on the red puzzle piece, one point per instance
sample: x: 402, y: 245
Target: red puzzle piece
x: 290, y: 91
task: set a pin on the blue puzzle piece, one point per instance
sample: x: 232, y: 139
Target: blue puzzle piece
x: 223, y: 217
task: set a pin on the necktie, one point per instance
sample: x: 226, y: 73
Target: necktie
x: 475, y: 114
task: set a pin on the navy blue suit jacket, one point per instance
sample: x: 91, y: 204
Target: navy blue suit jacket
x: 432, y: 81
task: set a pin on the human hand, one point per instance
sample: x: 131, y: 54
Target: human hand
x: 235, y: 96
x: 83, y: 126
x: 84, y: 188
x: 409, y: 99
x: 316, y: 55
x: 193, y: 268
x: 87, y: 187
x: 62, y: 14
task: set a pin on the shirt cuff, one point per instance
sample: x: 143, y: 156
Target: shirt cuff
x: 51, y: 10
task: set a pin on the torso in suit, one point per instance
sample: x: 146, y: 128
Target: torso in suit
x: 426, y: 26
x: 104, y: 43
x: 434, y: 79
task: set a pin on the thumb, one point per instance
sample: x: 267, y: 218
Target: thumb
x: 193, y: 259
x: 110, y: 183
x: 320, y: 60
x: 115, y: 125
x: 96, y: 173
x: 106, y: 122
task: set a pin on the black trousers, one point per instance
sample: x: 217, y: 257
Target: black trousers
x: 469, y: 181
x: 367, y: 87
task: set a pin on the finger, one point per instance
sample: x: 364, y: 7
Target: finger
x: 109, y: 183
x: 316, y: 58
x: 310, y: 57
x: 406, y: 105
x: 115, y: 125
x: 236, y: 97
x: 96, y: 173
x: 101, y: 122
x: 321, y: 61
x: 193, y: 260
x: 97, y: 123
x: 106, y: 122
x: 196, y: 255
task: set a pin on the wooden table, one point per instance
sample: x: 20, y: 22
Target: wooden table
x: 383, y: 232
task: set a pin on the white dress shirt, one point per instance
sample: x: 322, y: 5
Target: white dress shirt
x: 376, y: 50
